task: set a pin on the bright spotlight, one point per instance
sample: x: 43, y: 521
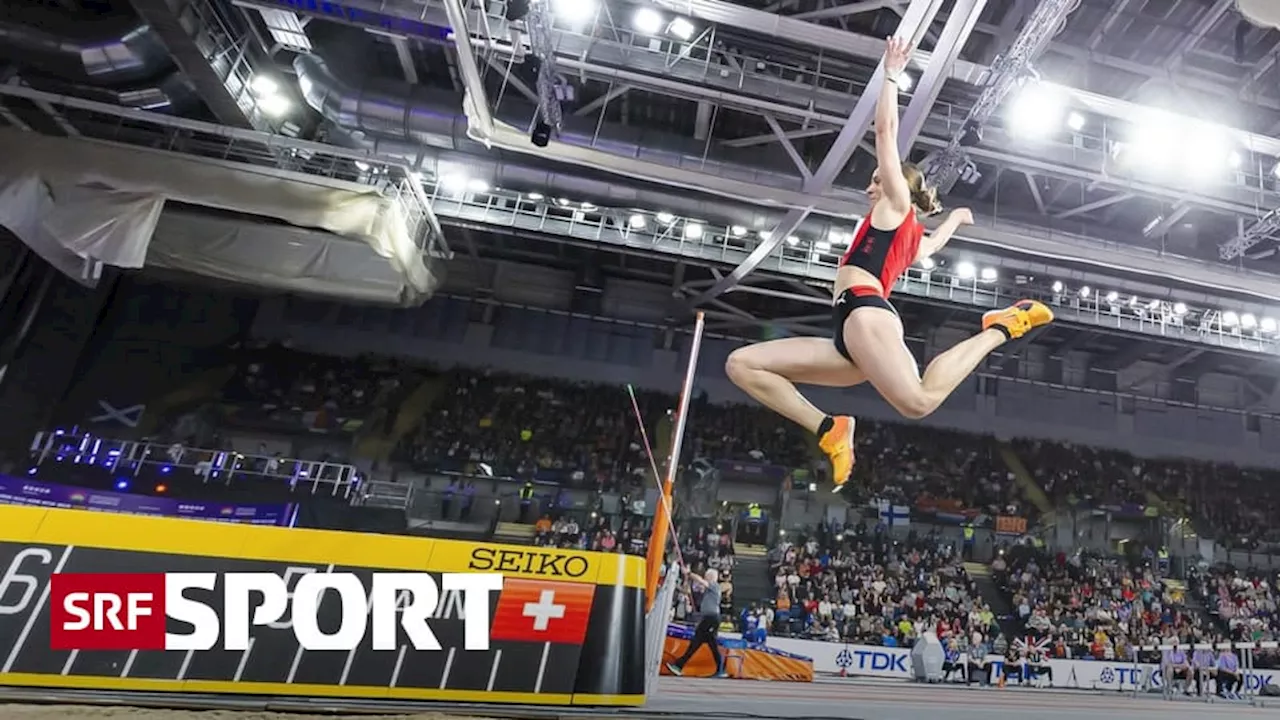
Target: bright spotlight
x: 1204, y: 153
x: 1230, y: 319
x: 693, y: 231
x: 454, y: 182
x: 648, y: 21
x: 737, y: 231
x: 905, y: 82
x: 588, y: 207
x: 636, y: 221
x: 927, y: 263
x: 681, y: 28
x: 1268, y: 324
x: 1248, y: 321
x: 1075, y: 121
x: 966, y: 270
x: 264, y: 85
x: 1153, y: 305
x: 666, y: 218
x: 1084, y: 291
x: 1036, y: 111
x: 535, y: 196
x: 563, y: 202
x: 273, y: 105
x: 792, y: 240
x: 1276, y: 170
x: 988, y: 274
x: 1179, y: 308
x: 1235, y: 160
x: 1113, y: 296
x: 477, y: 185
x: 822, y: 246
x: 1155, y: 143
x: 1057, y: 286
x: 574, y: 13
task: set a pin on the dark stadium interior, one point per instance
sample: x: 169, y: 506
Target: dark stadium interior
x: 311, y: 261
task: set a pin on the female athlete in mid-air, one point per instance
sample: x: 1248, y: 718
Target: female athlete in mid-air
x: 868, y: 332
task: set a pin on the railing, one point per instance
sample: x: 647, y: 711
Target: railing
x: 129, y: 458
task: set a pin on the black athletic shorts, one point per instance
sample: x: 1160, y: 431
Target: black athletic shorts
x: 848, y: 301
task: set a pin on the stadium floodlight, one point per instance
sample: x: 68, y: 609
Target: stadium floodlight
x: 264, y: 85
x: 636, y: 221
x: 1230, y: 318
x: 737, y: 231
x: 681, y: 28
x: 822, y: 246
x: 1036, y: 111
x: 1235, y: 160
x: 792, y: 240
x: 1075, y: 121
x: 965, y: 270
x: 1057, y: 286
x: 587, y: 207
x: 905, y: 82
x: 1180, y: 308
x: 1204, y: 153
x: 927, y: 263
x: 476, y: 185
x: 563, y: 202
x: 1113, y: 296
x: 1154, y: 143
x: 1268, y: 324
x: 1276, y: 170
x: 1248, y: 321
x: 693, y: 231
x: 575, y: 14
x: 1084, y: 291
x: 535, y: 196
x: 647, y: 20
x: 989, y: 274
x: 666, y: 218
x: 273, y: 105
x: 454, y: 182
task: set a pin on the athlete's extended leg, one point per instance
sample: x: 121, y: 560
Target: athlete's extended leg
x: 874, y: 338
x: 768, y: 372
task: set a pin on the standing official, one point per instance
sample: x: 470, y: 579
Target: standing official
x: 708, y: 626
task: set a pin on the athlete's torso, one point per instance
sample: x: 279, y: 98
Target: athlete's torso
x: 882, y: 254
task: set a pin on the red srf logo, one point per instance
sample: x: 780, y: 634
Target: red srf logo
x: 107, y: 611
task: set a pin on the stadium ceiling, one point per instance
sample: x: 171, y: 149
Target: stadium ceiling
x: 1121, y: 144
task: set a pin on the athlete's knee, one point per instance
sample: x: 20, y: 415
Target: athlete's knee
x: 740, y: 364
x: 915, y: 406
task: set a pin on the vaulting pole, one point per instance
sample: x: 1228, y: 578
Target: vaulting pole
x: 662, y: 514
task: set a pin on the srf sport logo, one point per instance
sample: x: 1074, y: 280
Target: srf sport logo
x: 863, y: 660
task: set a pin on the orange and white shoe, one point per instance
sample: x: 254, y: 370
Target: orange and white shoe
x: 837, y: 443
x: 1018, y: 319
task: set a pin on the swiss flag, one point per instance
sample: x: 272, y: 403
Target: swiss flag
x: 542, y: 611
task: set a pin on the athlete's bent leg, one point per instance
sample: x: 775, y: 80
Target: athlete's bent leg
x: 874, y: 337
x: 768, y: 372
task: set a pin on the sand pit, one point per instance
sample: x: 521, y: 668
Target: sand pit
x: 112, y: 712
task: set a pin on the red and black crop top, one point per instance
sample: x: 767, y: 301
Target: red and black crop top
x: 885, y: 253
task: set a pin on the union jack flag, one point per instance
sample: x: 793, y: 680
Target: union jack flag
x: 1030, y: 645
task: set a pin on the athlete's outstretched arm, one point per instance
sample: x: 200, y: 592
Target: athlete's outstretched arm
x: 939, y: 238
x: 892, y: 182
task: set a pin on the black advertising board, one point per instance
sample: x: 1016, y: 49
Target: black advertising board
x: 553, y: 662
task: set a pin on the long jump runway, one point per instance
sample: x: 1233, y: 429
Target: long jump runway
x: 856, y: 700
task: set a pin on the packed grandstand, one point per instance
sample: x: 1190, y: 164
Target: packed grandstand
x: 568, y: 460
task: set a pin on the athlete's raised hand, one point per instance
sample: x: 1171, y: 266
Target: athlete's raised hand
x: 962, y: 216
x: 897, y: 54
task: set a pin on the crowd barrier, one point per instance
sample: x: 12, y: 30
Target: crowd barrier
x: 833, y: 658
x: 742, y: 660
x: 599, y: 664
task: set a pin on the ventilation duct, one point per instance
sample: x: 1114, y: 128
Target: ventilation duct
x: 109, y: 52
x: 117, y: 60
x: 430, y: 118
x: 1263, y: 13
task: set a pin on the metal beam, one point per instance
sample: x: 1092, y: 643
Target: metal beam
x: 1095, y: 205
x: 916, y: 18
x: 766, y: 138
x: 1108, y: 23
x: 1170, y: 219
x: 1202, y: 27
x: 1164, y: 370
x: 953, y: 39
x: 472, y: 81
x: 792, y: 153
x: 608, y: 97
x: 406, y: 59
x: 853, y: 8
x: 511, y: 79
x: 1035, y: 192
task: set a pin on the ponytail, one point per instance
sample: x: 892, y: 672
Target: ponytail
x: 925, y: 198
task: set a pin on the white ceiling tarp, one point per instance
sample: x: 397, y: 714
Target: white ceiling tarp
x: 115, y: 188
